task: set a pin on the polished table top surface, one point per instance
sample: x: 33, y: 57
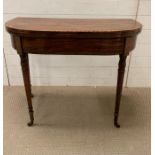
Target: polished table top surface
x: 121, y: 27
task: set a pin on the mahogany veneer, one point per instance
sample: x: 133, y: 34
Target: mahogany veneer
x: 73, y: 37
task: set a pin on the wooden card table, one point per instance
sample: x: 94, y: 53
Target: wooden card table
x: 73, y: 37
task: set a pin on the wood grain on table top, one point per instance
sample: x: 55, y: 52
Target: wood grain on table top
x: 21, y: 25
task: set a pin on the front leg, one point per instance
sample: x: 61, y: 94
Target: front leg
x: 120, y: 77
x: 26, y: 77
x: 29, y: 76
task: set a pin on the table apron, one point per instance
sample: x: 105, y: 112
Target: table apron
x: 70, y: 46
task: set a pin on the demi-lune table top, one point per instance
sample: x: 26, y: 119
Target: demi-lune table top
x: 117, y: 27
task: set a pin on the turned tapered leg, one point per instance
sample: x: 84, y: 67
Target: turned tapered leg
x: 29, y: 77
x: 27, y: 84
x: 120, y: 77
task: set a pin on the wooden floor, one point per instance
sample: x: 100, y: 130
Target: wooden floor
x: 76, y: 121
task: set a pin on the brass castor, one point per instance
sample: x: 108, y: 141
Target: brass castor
x: 30, y: 123
x: 116, y: 124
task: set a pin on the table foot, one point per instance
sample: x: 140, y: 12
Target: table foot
x: 30, y: 123
x: 116, y: 124
x: 31, y: 118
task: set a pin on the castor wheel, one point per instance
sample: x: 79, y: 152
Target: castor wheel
x: 30, y: 123
x: 117, y: 125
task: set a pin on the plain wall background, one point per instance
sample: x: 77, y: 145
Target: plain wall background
x: 80, y: 70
